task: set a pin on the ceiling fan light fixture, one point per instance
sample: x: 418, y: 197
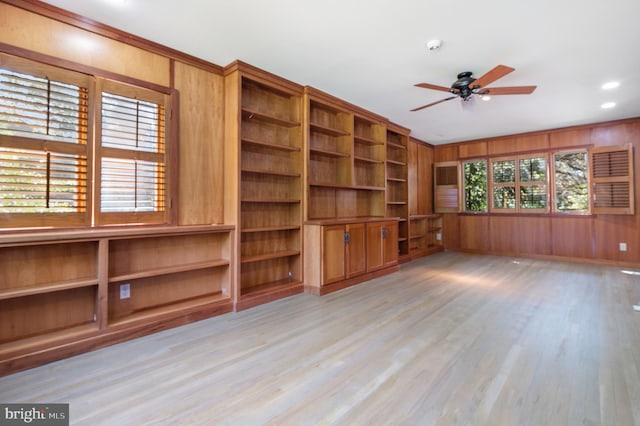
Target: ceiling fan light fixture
x: 608, y: 105
x: 486, y: 98
x: 610, y: 85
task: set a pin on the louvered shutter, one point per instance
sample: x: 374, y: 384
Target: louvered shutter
x: 612, y: 189
x: 447, y: 187
x: 132, y: 155
x: 43, y: 144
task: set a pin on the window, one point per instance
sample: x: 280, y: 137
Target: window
x: 53, y: 173
x: 44, y: 138
x: 132, y: 146
x: 533, y: 183
x: 475, y: 185
x: 571, y: 182
x: 504, y: 184
x: 519, y: 184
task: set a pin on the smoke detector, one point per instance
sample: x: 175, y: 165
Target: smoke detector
x: 434, y: 44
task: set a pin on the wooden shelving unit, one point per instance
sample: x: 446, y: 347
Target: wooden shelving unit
x: 348, y: 238
x: 397, y: 184
x: 268, y: 137
x: 426, y: 234
x: 345, y: 159
x: 64, y: 290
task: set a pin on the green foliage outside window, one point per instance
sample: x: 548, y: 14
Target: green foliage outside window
x: 475, y: 186
x: 571, y: 181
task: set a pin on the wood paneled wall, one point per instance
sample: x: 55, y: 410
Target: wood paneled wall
x: 105, y: 50
x: 420, y: 177
x: 583, y: 238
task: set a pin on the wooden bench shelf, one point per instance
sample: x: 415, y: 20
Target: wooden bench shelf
x: 270, y: 173
x: 169, y: 270
x: 180, y: 308
x: 266, y: 144
x: 248, y: 114
x: 367, y: 160
x: 328, y: 153
x: 271, y: 229
x: 329, y: 131
x: 47, y: 288
x: 269, y: 256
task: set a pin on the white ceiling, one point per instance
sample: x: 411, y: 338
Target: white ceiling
x: 372, y: 52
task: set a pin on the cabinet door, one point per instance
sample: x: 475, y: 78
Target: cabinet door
x: 390, y: 243
x: 375, y: 248
x: 333, y: 254
x: 356, y: 249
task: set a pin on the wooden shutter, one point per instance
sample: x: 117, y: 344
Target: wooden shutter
x: 43, y: 144
x: 612, y: 179
x: 132, y: 155
x: 447, y: 187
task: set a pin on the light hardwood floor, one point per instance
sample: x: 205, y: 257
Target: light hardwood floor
x: 451, y: 339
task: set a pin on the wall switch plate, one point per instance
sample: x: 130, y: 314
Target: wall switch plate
x: 125, y: 291
x: 623, y: 246
x: 438, y: 236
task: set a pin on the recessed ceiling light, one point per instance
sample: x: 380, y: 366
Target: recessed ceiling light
x: 486, y: 98
x: 608, y: 105
x: 610, y: 85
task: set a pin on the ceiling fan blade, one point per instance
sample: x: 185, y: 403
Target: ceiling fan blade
x: 514, y: 90
x: 434, y: 103
x: 491, y: 76
x: 433, y: 86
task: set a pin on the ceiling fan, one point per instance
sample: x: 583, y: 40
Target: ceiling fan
x: 466, y: 86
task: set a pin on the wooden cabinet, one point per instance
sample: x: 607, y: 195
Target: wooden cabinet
x: 269, y: 140
x: 397, y: 184
x: 62, y: 294
x: 343, y: 251
x: 426, y: 234
x: 338, y: 255
x: 382, y: 245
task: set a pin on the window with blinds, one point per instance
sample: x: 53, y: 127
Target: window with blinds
x: 43, y: 144
x: 79, y: 150
x: 132, y: 169
x: 520, y: 184
x: 612, y: 179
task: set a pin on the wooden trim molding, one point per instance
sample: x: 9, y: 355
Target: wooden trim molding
x: 104, y: 30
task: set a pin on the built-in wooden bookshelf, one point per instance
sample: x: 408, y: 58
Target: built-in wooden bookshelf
x: 348, y: 238
x: 397, y: 184
x: 345, y: 152
x: 269, y: 154
x: 426, y: 234
x: 62, y: 293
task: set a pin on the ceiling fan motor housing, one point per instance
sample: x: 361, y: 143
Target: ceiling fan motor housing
x: 461, y: 85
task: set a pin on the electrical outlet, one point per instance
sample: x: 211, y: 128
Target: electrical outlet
x: 125, y: 291
x: 623, y: 246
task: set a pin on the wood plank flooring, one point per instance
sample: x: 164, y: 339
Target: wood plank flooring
x: 451, y: 339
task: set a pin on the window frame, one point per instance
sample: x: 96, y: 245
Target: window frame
x: 49, y: 144
x: 517, y: 184
x: 95, y: 80
x: 101, y: 152
x: 552, y: 164
x: 464, y: 186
